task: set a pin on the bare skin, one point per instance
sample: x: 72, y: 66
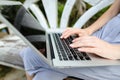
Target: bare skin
x: 29, y: 77
x: 94, y: 45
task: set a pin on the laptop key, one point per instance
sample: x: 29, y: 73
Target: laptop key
x: 86, y: 56
x: 66, y: 52
x: 69, y: 54
x: 60, y: 47
x: 80, y: 55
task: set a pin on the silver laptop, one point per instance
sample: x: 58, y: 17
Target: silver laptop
x: 57, y: 51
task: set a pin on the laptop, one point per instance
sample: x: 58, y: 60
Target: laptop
x: 57, y: 52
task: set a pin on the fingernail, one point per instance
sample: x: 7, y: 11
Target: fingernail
x: 71, y: 45
x: 65, y: 37
x: 73, y: 40
x: 78, y: 49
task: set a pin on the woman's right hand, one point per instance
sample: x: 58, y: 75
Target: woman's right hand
x: 75, y: 31
x: 94, y: 45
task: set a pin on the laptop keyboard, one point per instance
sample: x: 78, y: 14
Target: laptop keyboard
x: 65, y: 52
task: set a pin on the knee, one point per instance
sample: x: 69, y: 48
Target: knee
x: 29, y: 55
x: 26, y: 52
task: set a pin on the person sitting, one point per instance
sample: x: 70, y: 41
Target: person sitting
x: 102, y: 38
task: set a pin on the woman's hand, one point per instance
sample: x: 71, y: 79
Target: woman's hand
x: 96, y: 46
x: 75, y: 31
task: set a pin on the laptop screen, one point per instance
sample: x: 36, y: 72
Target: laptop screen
x: 25, y: 23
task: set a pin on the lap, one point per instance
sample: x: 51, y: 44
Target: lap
x: 36, y: 66
x: 49, y: 75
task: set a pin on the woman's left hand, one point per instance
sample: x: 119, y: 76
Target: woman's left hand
x: 92, y: 44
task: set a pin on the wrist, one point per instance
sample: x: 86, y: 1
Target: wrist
x: 89, y: 31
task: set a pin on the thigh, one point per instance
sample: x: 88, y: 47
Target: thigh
x: 49, y: 75
x: 92, y: 73
x: 32, y: 61
x: 34, y: 65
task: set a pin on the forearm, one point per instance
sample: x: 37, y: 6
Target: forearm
x: 109, y: 14
x: 117, y: 46
x: 115, y: 51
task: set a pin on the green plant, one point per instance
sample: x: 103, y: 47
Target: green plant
x: 19, y: 0
x: 60, y: 10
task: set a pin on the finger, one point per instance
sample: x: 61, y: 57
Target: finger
x: 80, y: 34
x: 65, y: 33
x: 83, y: 39
x: 80, y: 39
x: 76, y: 39
x: 68, y: 33
x: 92, y: 50
x: 82, y: 44
x: 95, y: 51
x: 87, y: 49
